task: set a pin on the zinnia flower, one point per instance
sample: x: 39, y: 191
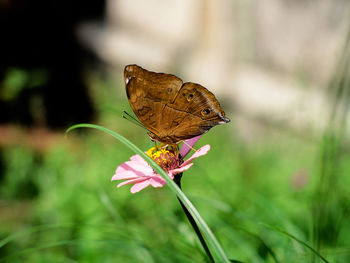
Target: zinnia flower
x: 138, y: 172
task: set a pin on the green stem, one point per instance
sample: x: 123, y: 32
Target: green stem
x: 177, y: 180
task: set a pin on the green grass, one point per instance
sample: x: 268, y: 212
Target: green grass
x: 59, y: 205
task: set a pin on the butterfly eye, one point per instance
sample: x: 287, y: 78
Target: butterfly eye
x: 205, y: 112
x: 190, y: 97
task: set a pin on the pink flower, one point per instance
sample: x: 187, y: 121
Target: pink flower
x: 138, y: 172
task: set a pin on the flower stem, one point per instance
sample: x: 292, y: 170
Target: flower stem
x: 177, y: 180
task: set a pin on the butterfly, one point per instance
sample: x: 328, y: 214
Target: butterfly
x: 172, y: 111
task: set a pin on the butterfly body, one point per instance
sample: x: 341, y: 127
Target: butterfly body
x: 171, y: 110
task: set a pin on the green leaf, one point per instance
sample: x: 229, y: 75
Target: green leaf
x: 217, y: 249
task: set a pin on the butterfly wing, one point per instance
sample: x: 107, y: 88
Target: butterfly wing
x: 147, y: 93
x: 170, y: 110
x: 197, y: 111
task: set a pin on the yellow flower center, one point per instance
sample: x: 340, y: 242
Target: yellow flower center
x: 166, y: 156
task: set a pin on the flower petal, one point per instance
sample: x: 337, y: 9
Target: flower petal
x: 132, y: 181
x: 181, y: 169
x: 124, y: 175
x: 139, y: 186
x: 137, y: 166
x: 202, y: 151
x: 157, y: 181
x: 124, y: 172
x: 185, y: 146
x: 138, y: 158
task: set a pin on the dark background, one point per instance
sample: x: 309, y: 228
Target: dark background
x: 39, y: 37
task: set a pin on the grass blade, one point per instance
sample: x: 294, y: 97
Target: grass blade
x: 297, y: 240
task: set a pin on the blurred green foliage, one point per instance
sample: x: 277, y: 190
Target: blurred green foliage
x: 17, y: 79
x: 59, y: 205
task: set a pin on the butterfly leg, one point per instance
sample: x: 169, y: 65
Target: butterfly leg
x: 189, y: 146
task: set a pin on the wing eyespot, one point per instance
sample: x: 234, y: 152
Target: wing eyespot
x: 190, y: 97
x: 205, y: 112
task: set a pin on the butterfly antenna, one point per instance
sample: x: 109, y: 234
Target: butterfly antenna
x: 131, y: 118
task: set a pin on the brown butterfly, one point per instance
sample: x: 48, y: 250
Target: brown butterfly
x: 171, y: 110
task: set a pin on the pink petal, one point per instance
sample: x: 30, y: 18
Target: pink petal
x: 139, y: 186
x: 185, y: 149
x: 137, y: 166
x: 132, y: 181
x: 198, y: 153
x: 138, y: 158
x: 132, y: 169
x: 181, y: 168
x: 123, y: 173
x: 157, y: 182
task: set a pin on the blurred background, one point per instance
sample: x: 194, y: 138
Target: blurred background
x: 281, y: 71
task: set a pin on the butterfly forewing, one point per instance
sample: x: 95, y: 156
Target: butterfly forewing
x: 158, y: 86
